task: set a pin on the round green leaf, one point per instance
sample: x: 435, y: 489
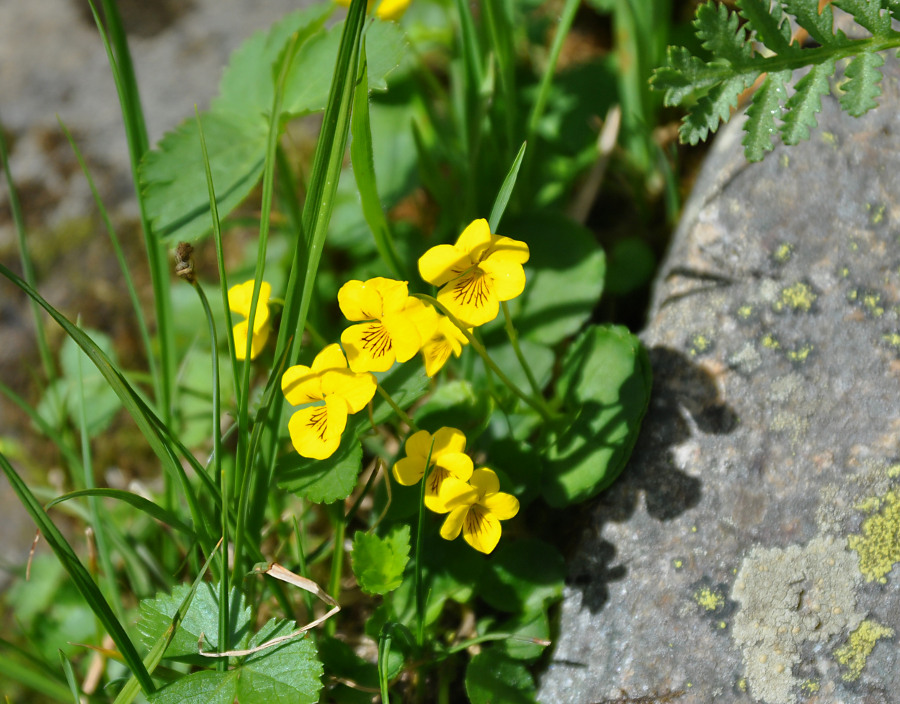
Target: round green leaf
x: 492, y: 678
x: 323, y: 481
x: 606, y: 381
x: 456, y: 404
x: 378, y: 563
x: 522, y: 576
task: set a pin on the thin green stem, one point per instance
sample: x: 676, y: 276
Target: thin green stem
x: 304, y: 565
x: 538, y: 403
x: 403, y: 415
x: 513, y: 336
x: 339, y: 523
x: 419, y: 586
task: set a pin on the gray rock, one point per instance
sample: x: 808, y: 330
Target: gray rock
x: 748, y: 552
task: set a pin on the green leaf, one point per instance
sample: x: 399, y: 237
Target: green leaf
x: 606, y: 379
x: 540, y: 359
x: 492, y: 678
x: 564, y: 277
x: 63, y: 397
x: 769, y: 23
x: 406, y: 384
x: 523, y: 576
x: 683, y: 74
x: 631, y: 264
x: 378, y: 563
x: 802, y: 106
x: 344, y: 665
x: 457, y: 404
x: 202, y: 617
x: 713, y: 108
x: 818, y: 24
x: 869, y: 13
x: 323, y: 481
x: 524, y: 626
x: 760, y: 126
x: 386, y: 47
x: 863, y: 84
x: 506, y: 189
x: 719, y: 32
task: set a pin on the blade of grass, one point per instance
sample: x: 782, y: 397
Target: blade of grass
x: 509, y: 183
x: 80, y: 576
x: 70, y: 677
x: 497, y: 14
x: 146, y: 420
x: 120, y: 255
x: 363, y: 160
x: 33, y: 675
x: 27, y: 265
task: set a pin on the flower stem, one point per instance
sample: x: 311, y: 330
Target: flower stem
x: 337, y: 559
x: 403, y: 415
x: 538, y: 403
x: 420, y: 531
x: 513, y: 336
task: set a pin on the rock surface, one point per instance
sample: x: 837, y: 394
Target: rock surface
x: 748, y: 552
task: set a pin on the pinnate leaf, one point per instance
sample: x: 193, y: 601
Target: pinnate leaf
x: 713, y: 108
x: 863, y: 84
x: 771, y: 26
x: 766, y: 106
x: 720, y: 34
x: 869, y: 13
x: 802, y: 106
x: 378, y: 563
x: 818, y: 24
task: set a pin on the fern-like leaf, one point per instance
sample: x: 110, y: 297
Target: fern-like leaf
x: 713, y: 108
x: 684, y: 74
x: 766, y: 106
x: 893, y: 6
x: 819, y: 25
x: 802, y: 106
x: 719, y: 32
x: 869, y: 13
x: 772, y: 29
x: 863, y: 84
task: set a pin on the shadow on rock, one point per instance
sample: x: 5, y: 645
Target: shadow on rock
x: 684, y: 402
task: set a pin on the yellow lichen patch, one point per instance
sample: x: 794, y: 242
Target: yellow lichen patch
x: 878, y: 544
x: 854, y: 653
x: 783, y: 253
x: 809, y: 687
x: 800, y: 354
x: 677, y: 564
x: 829, y: 138
x: 872, y: 302
x: 709, y: 599
x: 894, y: 469
x: 744, y: 312
x: 742, y: 684
x: 845, y: 272
x: 893, y: 339
x: 877, y: 212
x: 799, y: 298
x: 700, y: 343
x: 770, y: 342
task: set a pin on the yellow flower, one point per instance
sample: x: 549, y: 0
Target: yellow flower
x: 386, y: 10
x: 316, y: 430
x: 478, y: 514
x: 240, y: 297
x: 476, y: 273
x: 447, y: 339
x: 450, y: 466
x: 395, y: 328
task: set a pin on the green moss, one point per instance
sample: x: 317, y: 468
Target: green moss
x: 799, y: 298
x: 878, y: 544
x: 854, y: 653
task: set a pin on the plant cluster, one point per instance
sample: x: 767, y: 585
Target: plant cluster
x: 356, y: 431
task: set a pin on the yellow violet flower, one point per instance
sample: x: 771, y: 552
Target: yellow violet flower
x: 450, y: 467
x: 478, y: 515
x: 386, y: 10
x: 476, y: 273
x: 447, y: 339
x: 395, y: 324
x: 316, y: 430
x: 240, y: 297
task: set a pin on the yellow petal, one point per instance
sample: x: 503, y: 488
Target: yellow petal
x: 331, y: 357
x: 454, y: 523
x: 391, y: 9
x: 503, y: 506
x: 508, y: 249
x: 405, y: 339
x: 240, y: 297
x: 316, y: 431
x: 471, y: 298
x: 355, y: 389
x: 256, y: 345
x: 456, y: 464
x: 447, y: 339
x: 475, y: 239
x: 442, y: 263
x: 447, y: 440
x: 481, y: 530
x: 485, y: 480
x: 369, y: 347
x: 418, y: 444
x: 409, y: 470
x: 300, y: 385
x: 507, y: 279
x: 448, y: 494
x: 423, y: 317
x: 394, y: 294
x: 360, y: 301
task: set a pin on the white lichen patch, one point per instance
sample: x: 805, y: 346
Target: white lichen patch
x: 789, y: 597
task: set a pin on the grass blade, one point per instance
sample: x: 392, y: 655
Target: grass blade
x: 70, y: 677
x: 509, y: 183
x: 80, y: 576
